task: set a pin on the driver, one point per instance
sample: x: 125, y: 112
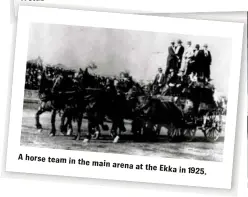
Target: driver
x: 172, y: 83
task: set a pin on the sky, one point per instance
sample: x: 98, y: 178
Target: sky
x: 116, y: 50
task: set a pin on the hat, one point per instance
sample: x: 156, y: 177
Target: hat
x: 172, y: 42
x: 179, y: 41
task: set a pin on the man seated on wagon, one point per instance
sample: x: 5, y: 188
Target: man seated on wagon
x: 172, y: 84
x: 158, y: 82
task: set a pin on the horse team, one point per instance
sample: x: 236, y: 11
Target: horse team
x: 82, y: 96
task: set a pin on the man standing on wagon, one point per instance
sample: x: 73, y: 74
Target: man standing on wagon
x: 187, y: 58
x: 179, y: 54
x: 171, y: 59
x: 196, y: 63
x: 207, y: 60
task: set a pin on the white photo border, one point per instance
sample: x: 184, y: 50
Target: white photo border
x: 219, y: 174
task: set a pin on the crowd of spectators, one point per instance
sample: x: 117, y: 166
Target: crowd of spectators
x: 34, y: 72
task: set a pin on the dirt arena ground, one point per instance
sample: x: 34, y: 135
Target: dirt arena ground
x: 198, y: 149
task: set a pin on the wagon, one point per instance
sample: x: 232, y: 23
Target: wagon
x: 209, y: 119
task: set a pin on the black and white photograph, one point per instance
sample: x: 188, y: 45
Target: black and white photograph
x: 155, y: 94
x: 126, y: 88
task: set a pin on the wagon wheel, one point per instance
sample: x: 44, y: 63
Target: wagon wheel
x: 211, y: 134
x: 213, y: 129
x: 150, y: 130
x: 189, y: 134
x: 173, y: 132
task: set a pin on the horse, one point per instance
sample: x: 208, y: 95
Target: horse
x: 79, y: 102
x: 52, y: 98
x: 74, y: 110
x: 46, y: 97
x: 124, y: 106
x: 153, y: 113
x: 115, y: 103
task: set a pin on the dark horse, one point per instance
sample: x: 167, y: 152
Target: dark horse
x: 45, y: 95
x: 53, y: 98
x: 115, y: 103
x: 151, y: 113
x: 80, y: 101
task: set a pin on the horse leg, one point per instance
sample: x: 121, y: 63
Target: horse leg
x: 69, y: 124
x: 99, y: 122
x: 101, y: 119
x: 158, y: 129
x: 90, y: 130
x: 120, y: 125
x: 135, y: 128
x: 66, y: 121
x: 114, y: 127
x: 53, y: 118
x: 37, y: 118
x: 97, y: 130
x: 79, y: 123
x: 62, y: 124
x: 104, y: 126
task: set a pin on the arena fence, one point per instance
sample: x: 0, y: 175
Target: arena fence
x: 31, y: 96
